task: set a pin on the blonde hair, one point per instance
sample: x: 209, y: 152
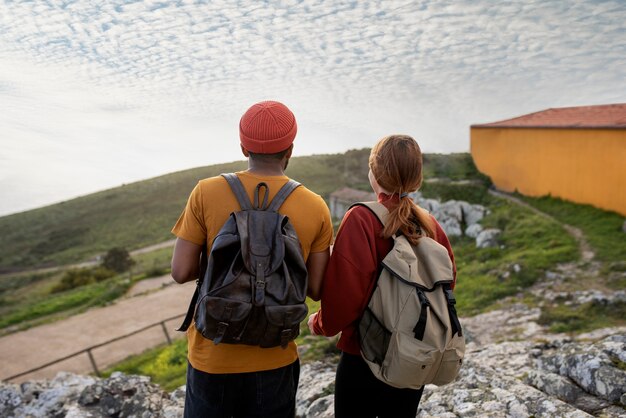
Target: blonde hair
x: 396, y: 163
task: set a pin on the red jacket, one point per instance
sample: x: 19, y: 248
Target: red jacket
x: 352, y: 272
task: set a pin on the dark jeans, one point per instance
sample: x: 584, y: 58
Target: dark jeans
x: 358, y: 393
x: 270, y: 393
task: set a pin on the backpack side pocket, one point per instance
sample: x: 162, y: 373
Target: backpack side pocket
x: 374, y: 338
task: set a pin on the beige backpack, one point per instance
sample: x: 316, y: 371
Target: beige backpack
x: 410, y: 334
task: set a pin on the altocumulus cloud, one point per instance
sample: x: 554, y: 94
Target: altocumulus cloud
x: 93, y: 94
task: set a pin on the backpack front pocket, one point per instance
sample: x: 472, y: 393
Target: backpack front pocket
x: 408, y: 362
x: 450, y: 365
x: 283, y: 324
x: 222, y: 320
x: 374, y: 338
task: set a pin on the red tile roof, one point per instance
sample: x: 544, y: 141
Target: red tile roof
x: 612, y: 116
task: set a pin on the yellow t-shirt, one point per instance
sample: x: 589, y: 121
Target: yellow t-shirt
x: 210, y: 204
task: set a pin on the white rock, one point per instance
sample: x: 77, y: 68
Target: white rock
x: 322, y: 408
x: 316, y: 379
x: 488, y: 238
x: 451, y: 227
x: 473, y: 230
x: 472, y: 214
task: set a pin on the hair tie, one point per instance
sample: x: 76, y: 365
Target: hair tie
x: 405, y: 194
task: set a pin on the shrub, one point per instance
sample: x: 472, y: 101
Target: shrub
x: 81, y: 277
x: 118, y: 260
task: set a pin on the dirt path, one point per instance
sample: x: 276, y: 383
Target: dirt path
x: 586, y: 252
x: 37, y: 346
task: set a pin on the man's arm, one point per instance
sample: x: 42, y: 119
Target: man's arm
x: 185, y: 261
x: 316, y: 266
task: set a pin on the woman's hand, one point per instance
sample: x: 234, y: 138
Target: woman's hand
x: 310, y: 323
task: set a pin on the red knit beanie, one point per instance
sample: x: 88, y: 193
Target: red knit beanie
x: 267, y: 128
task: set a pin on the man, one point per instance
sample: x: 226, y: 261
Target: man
x: 239, y: 380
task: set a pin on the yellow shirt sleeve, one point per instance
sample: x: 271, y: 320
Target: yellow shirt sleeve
x: 325, y: 237
x: 191, y: 225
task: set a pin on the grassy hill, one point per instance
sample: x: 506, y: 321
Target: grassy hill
x: 142, y: 213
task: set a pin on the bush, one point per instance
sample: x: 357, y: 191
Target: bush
x: 118, y: 260
x: 81, y: 277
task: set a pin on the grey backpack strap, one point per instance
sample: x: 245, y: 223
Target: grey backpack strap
x: 282, y: 195
x: 238, y: 190
x: 377, y: 209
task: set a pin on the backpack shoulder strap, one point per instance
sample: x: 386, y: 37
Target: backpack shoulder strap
x: 282, y: 195
x: 238, y: 190
x: 376, y: 208
x: 194, y: 299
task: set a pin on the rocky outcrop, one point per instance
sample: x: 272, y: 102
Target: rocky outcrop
x: 72, y: 396
x: 513, y: 368
x: 315, y: 390
x: 458, y: 218
x: 598, y: 369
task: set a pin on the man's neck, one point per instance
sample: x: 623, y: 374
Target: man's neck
x: 265, y: 169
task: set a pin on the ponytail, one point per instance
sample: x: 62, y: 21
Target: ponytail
x: 396, y: 163
x: 410, y: 220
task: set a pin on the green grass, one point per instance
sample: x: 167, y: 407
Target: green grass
x: 474, y: 193
x: 531, y: 241
x: 154, y: 263
x: 458, y: 166
x: 166, y: 365
x: 583, y: 318
x: 76, y: 300
x: 602, y: 229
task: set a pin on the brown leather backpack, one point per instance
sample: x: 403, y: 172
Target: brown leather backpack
x: 254, y: 288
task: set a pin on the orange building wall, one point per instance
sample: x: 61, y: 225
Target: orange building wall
x: 581, y: 165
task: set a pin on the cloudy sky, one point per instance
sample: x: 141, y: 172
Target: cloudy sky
x: 94, y: 94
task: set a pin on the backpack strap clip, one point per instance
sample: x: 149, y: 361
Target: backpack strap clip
x: 223, y: 326
x: 285, y: 335
x: 420, y: 327
x: 221, y: 331
x: 454, y: 319
x: 259, y: 288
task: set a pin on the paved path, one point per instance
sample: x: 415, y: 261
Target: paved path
x: 39, y: 345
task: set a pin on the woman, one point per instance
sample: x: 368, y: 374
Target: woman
x: 395, y: 170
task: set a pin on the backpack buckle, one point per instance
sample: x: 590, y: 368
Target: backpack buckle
x: 423, y: 299
x: 450, y: 297
x: 285, y: 337
x: 221, y: 330
x: 259, y: 294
